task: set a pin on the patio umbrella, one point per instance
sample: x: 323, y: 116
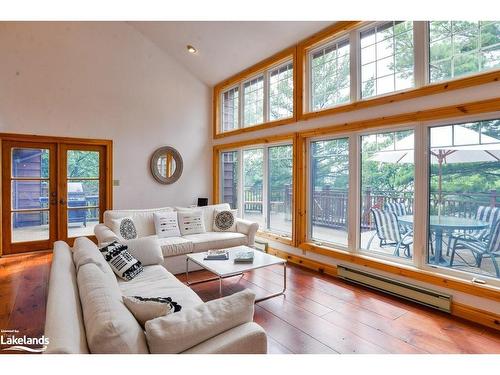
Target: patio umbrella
x: 461, y: 150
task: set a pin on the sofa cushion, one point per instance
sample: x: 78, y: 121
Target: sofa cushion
x: 156, y: 281
x: 124, y: 228
x: 147, y: 308
x: 146, y: 250
x: 122, y: 263
x: 143, y: 219
x: 85, y: 251
x: 110, y: 327
x: 225, y: 220
x: 200, y: 323
x: 216, y: 240
x: 173, y: 246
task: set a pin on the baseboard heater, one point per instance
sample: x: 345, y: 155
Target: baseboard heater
x: 397, y: 288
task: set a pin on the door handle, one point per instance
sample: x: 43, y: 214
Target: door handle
x: 62, y: 201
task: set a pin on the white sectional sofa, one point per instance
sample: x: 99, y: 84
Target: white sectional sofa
x: 86, y: 313
x: 175, y: 248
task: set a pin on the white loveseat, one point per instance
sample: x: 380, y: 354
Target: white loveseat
x: 86, y: 314
x: 175, y: 248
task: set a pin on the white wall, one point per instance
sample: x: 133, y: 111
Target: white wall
x: 106, y: 80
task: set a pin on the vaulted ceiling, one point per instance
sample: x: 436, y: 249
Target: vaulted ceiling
x: 225, y: 48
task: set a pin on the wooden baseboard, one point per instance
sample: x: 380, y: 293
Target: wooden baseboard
x: 485, y: 318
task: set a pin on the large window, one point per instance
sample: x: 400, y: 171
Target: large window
x: 464, y: 208
x: 330, y: 79
x: 329, y: 190
x: 387, y: 187
x: 281, y: 92
x: 229, y: 178
x: 230, y: 109
x: 258, y: 181
x: 267, y: 96
x: 253, y: 101
x: 457, y: 48
x: 387, y: 61
x: 253, y: 185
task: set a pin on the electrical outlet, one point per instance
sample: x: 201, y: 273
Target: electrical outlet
x: 116, y: 182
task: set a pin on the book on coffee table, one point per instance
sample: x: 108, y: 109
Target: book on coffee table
x: 220, y: 254
x: 243, y: 257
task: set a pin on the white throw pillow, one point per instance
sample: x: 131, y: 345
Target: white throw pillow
x: 146, y: 250
x: 225, y: 220
x: 145, y: 309
x: 175, y: 333
x: 124, y: 228
x: 191, y: 222
x: 122, y: 263
x: 166, y: 224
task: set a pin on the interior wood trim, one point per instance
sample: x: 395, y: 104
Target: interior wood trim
x: 474, y: 314
x: 429, y: 89
x: 467, y: 312
x: 456, y: 110
x: 275, y: 237
x: 276, y: 59
x: 58, y: 141
x: 255, y: 141
x: 483, y: 291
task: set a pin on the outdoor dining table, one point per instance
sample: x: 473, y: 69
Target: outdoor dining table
x: 445, y: 224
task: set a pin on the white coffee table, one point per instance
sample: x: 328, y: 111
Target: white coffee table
x: 227, y: 268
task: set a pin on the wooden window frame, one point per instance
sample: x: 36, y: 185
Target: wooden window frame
x: 266, y: 142
x: 261, y: 68
x: 299, y: 54
x: 489, y: 107
x: 108, y: 167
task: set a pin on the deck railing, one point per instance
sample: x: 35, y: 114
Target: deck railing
x: 330, y: 206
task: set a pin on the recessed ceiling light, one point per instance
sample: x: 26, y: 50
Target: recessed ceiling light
x: 191, y: 49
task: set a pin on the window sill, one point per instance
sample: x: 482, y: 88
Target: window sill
x: 429, y: 89
x: 265, y: 125
x: 409, y: 271
x: 275, y: 237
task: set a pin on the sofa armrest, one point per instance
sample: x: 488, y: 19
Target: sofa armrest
x: 104, y: 234
x: 248, y: 338
x: 249, y: 228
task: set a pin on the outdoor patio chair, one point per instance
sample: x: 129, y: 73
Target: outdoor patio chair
x: 483, y: 213
x: 397, y: 207
x: 389, y: 232
x: 479, y: 249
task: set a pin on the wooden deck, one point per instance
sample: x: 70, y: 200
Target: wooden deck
x: 319, y: 314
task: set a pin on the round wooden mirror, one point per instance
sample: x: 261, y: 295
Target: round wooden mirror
x: 166, y: 165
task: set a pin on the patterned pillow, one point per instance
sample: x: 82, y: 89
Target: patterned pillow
x: 225, y: 220
x: 191, y: 222
x: 124, y: 228
x: 147, y: 308
x: 122, y: 263
x: 166, y: 224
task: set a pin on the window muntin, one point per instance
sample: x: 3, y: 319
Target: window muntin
x: 387, y: 58
x: 280, y: 191
x: 330, y: 75
x: 253, y: 101
x: 329, y: 191
x: 281, y: 92
x: 230, y: 109
x: 229, y: 178
x: 387, y: 193
x: 457, y: 48
x: 463, y: 178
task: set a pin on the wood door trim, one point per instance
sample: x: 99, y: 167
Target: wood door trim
x: 107, y: 177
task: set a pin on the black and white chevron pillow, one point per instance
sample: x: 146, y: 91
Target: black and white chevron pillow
x: 122, y: 263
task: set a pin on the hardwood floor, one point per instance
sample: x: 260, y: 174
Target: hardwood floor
x: 319, y: 314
